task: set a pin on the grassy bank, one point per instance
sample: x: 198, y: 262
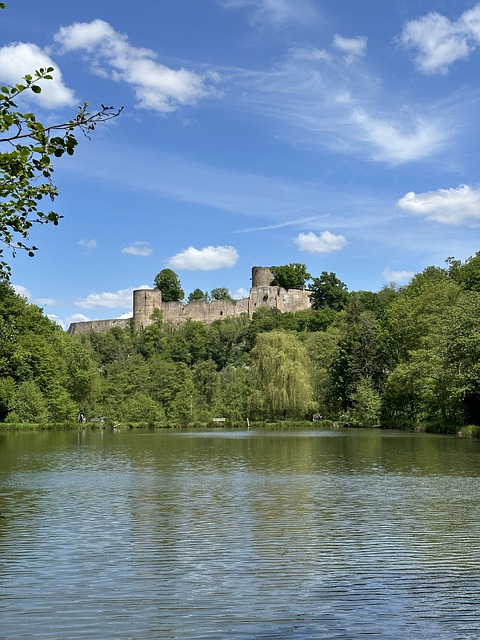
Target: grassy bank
x: 465, y: 431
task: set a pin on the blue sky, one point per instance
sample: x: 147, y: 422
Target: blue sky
x: 342, y: 135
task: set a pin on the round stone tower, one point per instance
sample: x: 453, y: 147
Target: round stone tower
x: 261, y: 277
x: 145, y: 301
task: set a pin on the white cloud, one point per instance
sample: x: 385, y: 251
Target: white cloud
x: 156, y: 86
x: 276, y: 12
x: 446, y: 206
x: 437, y: 42
x: 352, y: 48
x: 312, y: 54
x: 396, y: 142
x: 77, y: 317
x: 240, y: 294
x: 88, y: 244
x: 22, y: 58
x: 22, y: 291
x: 325, y: 242
x: 26, y: 293
x: 280, y: 225
x: 54, y: 318
x: 138, y: 248
x: 319, y: 103
x: 46, y: 302
x: 206, y: 259
x: 121, y: 299
x: 396, y: 276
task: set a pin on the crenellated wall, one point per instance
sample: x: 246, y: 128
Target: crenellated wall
x: 146, y: 301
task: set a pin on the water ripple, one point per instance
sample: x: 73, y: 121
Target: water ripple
x: 259, y: 536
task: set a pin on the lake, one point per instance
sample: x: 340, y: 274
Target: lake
x: 250, y: 534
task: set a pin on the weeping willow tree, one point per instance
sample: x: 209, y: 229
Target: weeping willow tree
x: 281, y: 375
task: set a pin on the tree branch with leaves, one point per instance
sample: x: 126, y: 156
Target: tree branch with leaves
x: 27, y: 149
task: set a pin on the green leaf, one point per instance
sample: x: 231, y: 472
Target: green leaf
x: 36, y: 89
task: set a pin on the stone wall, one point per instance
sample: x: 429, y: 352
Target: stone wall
x: 99, y: 326
x: 262, y: 294
x: 279, y: 298
x: 199, y: 310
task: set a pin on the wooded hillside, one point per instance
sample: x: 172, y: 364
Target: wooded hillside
x: 399, y: 357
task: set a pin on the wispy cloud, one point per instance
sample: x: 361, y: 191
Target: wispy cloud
x: 216, y: 187
x: 240, y: 294
x: 280, y: 225
x: 276, y: 12
x: 445, y: 206
x: 46, y: 302
x: 78, y: 317
x: 396, y: 276
x: 261, y: 198
x: 352, y: 48
x: 26, y: 293
x: 111, y: 55
x: 139, y: 248
x: 22, y: 291
x: 90, y: 245
x: 54, y: 318
x: 325, y: 242
x: 311, y: 54
x: 121, y: 299
x: 399, y: 142
x: 21, y: 58
x: 206, y: 259
x: 437, y: 43
x: 336, y: 104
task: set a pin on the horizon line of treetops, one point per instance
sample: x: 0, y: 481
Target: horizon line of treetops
x: 401, y: 357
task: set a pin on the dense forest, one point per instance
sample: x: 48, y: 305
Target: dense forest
x: 405, y: 357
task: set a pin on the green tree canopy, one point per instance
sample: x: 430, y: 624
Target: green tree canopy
x: 198, y: 294
x: 46, y: 374
x: 27, y: 149
x: 221, y: 293
x: 169, y: 284
x: 290, y: 276
x: 459, y: 342
x: 329, y: 291
x: 467, y: 275
x: 281, y: 375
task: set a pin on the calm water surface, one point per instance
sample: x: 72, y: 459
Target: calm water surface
x: 239, y: 534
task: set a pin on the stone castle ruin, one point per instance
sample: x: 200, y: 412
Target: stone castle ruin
x: 146, y: 301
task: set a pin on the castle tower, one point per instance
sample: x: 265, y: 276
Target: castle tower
x: 261, y: 277
x: 145, y: 301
